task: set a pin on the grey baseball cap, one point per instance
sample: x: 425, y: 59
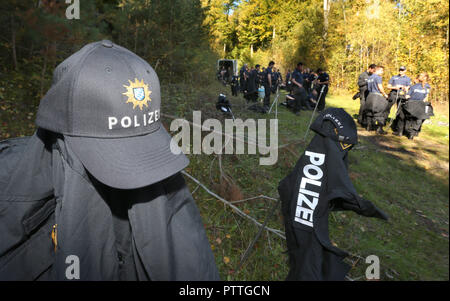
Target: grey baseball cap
x: 106, y: 102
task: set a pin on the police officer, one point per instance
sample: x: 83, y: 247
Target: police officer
x: 322, y: 82
x: 363, y: 92
x: 298, y: 90
x: 234, y: 85
x: 307, y: 80
x: 297, y: 76
x: 242, y: 77
x: 261, y: 76
x: 404, y: 123
x: 306, y: 71
x: 280, y: 77
x: 312, y: 78
x: 275, y: 79
x: 268, y: 81
x: 421, y: 89
x: 399, y: 85
x: 377, y: 96
x: 253, y: 84
x: 288, y: 80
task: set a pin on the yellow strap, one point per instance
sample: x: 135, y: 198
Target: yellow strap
x: 343, y: 145
x: 54, y: 236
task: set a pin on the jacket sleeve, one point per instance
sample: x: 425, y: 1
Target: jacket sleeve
x: 170, y: 236
x: 26, y: 210
x: 342, y: 194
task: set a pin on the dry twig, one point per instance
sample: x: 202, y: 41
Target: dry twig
x: 236, y: 209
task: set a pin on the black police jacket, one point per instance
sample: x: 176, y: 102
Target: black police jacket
x: 319, y: 184
x: 252, y: 82
x: 376, y: 104
x: 55, y: 215
x: 418, y: 109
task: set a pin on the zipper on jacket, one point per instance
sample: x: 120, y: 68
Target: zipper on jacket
x: 55, y: 235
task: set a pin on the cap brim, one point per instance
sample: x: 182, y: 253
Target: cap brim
x: 129, y: 163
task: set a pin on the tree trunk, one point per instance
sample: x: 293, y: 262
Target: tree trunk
x: 398, y: 35
x: 346, y: 44
x: 13, y: 43
x: 31, y: 49
x: 326, y: 10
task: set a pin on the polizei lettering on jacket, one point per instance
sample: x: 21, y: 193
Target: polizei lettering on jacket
x: 308, y: 194
x: 133, y: 121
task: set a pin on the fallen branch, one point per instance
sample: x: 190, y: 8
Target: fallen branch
x: 261, y: 229
x: 236, y: 209
x: 253, y: 198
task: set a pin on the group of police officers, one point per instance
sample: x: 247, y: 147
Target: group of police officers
x: 252, y: 78
x: 376, y: 104
x: 306, y: 87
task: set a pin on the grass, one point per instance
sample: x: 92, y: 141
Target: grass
x: 407, y: 179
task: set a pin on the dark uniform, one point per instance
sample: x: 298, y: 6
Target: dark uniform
x: 267, y: 87
x: 62, y: 199
x: 323, y: 77
x: 307, y: 82
x: 306, y: 210
x: 275, y: 79
x: 363, y: 93
x: 252, y: 86
x: 298, y: 76
x: 260, y: 77
x: 413, y: 112
x: 242, y: 78
x: 311, y: 86
x: 234, y: 85
x: 279, y: 79
x: 376, y: 104
x: 299, y: 93
x: 288, y: 81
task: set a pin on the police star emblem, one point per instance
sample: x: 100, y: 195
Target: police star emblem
x: 138, y: 93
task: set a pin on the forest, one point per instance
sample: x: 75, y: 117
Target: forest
x: 182, y: 39
x: 342, y: 36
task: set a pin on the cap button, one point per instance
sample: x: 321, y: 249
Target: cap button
x: 107, y: 43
